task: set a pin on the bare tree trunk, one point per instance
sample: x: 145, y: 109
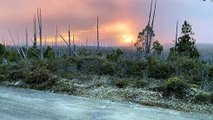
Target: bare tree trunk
x: 56, y: 36
x: 56, y: 42
x: 148, y: 31
x: 176, y: 36
x: 2, y: 39
x: 150, y: 12
x: 86, y: 42
x: 5, y: 44
x: 34, y: 33
x: 27, y: 44
x: 151, y: 29
x: 98, y: 42
x: 40, y: 32
x: 74, y: 47
x: 45, y: 42
x: 69, y: 40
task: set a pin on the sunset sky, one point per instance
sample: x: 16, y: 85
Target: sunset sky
x: 120, y: 20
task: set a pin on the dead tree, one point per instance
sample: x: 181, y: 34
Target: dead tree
x: 73, y: 42
x: 45, y: 42
x: 98, y: 42
x: 56, y: 42
x: 56, y: 36
x: 27, y: 45
x: 176, y: 35
x: 39, y: 15
x: 145, y: 38
x: 69, y: 39
x: 52, y: 43
x: 86, y: 45
x: 2, y: 39
x: 5, y: 43
x: 34, y: 33
x: 151, y: 31
x: 148, y: 27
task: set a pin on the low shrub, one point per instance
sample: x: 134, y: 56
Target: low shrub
x: 160, y: 88
x: 62, y: 66
x: 177, y: 87
x: 38, y: 76
x: 12, y: 55
x: 33, y: 53
x: 120, y: 83
x: 17, y: 71
x: 190, y: 69
x: 90, y: 65
x: 202, y: 97
x: 137, y: 68
x: 122, y: 67
x: 49, y: 53
x: 84, y: 52
x: 4, y: 72
x: 2, y: 50
x: 115, y: 55
x: 140, y: 83
x: 33, y: 73
x: 107, y: 68
x: 210, y: 74
x: 211, y: 97
x: 159, y: 69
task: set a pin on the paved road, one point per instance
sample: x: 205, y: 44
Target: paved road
x: 22, y: 104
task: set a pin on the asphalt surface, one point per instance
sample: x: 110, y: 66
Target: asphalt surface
x: 23, y: 104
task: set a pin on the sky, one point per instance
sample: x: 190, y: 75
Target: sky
x: 120, y: 20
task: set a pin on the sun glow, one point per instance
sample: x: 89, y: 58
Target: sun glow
x: 127, y: 38
x: 123, y: 32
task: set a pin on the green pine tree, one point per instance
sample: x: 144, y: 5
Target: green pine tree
x: 185, y: 45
